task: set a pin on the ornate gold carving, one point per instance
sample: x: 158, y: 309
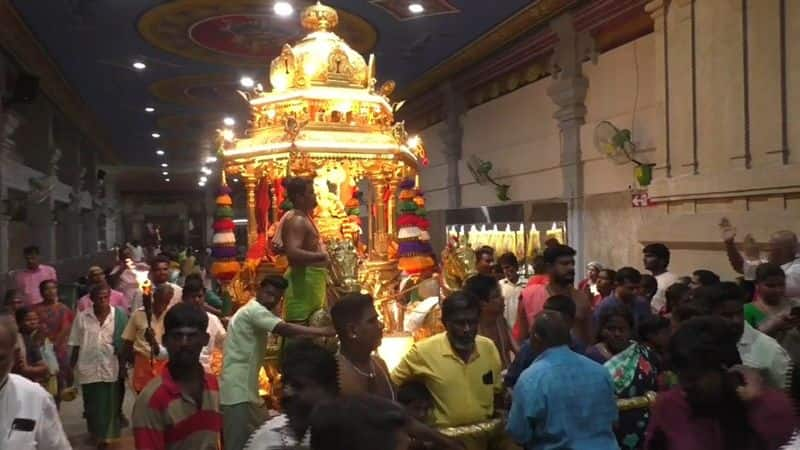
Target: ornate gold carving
x: 283, y: 69
x: 339, y: 67
x: 319, y: 17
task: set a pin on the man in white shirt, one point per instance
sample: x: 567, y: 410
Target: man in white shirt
x: 159, y: 274
x: 194, y: 292
x: 783, y: 250
x: 28, y: 417
x: 511, y: 287
x: 656, y: 260
x: 96, y: 341
x: 756, y: 349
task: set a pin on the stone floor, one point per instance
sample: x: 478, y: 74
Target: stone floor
x: 75, y: 426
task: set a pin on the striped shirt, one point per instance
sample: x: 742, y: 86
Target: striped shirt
x: 164, y: 418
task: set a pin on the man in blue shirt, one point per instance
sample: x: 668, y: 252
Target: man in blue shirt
x: 525, y: 356
x: 625, y: 294
x: 563, y: 400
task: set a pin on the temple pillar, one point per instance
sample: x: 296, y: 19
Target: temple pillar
x: 568, y: 91
x: 75, y: 230
x: 252, y: 225
x: 110, y: 231
x: 91, y: 233
x: 137, y: 227
x: 454, y: 108
x: 40, y: 215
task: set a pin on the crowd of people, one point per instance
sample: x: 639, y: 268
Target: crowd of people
x: 619, y: 360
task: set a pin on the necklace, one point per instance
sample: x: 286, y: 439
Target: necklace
x: 370, y: 374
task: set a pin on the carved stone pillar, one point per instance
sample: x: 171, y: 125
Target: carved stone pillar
x: 75, y: 229
x: 568, y: 91
x: 454, y: 108
x: 91, y: 231
x: 137, y: 227
x: 40, y: 215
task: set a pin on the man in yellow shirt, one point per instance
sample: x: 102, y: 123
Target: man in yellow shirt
x: 462, y: 372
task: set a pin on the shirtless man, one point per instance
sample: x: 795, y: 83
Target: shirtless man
x: 560, y: 261
x: 307, y: 272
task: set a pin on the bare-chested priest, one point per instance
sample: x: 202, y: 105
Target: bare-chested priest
x: 298, y: 238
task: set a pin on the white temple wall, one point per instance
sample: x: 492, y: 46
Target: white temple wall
x: 727, y: 145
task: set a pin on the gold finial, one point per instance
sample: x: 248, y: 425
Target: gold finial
x: 319, y: 17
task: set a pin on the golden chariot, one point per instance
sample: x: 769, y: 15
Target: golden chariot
x: 325, y: 119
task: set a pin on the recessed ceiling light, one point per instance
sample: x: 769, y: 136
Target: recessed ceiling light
x: 156, y: 135
x: 149, y: 109
x: 247, y: 82
x: 166, y: 179
x: 200, y: 183
x: 416, y: 8
x: 164, y: 165
x: 165, y: 173
x: 229, y: 121
x: 160, y: 152
x: 283, y: 9
x: 235, y: 180
x: 204, y: 178
x: 211, y: 159
x: 138, y: 65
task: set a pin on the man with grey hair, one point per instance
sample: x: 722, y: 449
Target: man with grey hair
x: 563, y: 400
x: 28, y: 416
x: 783, y: 250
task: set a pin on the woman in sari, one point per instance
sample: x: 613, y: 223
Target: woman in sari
x: 632, y: 372
x: 55, y: 320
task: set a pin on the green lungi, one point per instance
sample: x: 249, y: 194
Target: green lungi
x: 101, y: 407
x: 306, y: 292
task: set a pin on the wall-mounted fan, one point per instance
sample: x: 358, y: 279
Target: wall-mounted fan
x: 617, y: 145
x: 480, y: 170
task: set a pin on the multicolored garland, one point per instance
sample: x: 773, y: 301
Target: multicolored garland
x: 414, y: 247
x: 223, y: 248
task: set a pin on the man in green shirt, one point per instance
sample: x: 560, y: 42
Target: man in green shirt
x: 244, y: 351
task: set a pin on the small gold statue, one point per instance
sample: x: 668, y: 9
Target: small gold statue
x: 458, y: 264
x: 344, y: 265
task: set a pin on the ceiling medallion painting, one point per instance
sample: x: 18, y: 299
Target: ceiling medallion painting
x: 235, y: 32
x: 400, y: 11
x: 210, y: 91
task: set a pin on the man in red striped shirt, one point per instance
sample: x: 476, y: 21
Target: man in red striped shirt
x: 180, y: 409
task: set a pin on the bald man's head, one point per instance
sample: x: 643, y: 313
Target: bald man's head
x: 549, y: 330
x: 782, y: 247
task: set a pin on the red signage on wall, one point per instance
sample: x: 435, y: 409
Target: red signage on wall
x: 641, y: 199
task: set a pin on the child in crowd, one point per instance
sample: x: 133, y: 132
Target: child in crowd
x: 418, y: 402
